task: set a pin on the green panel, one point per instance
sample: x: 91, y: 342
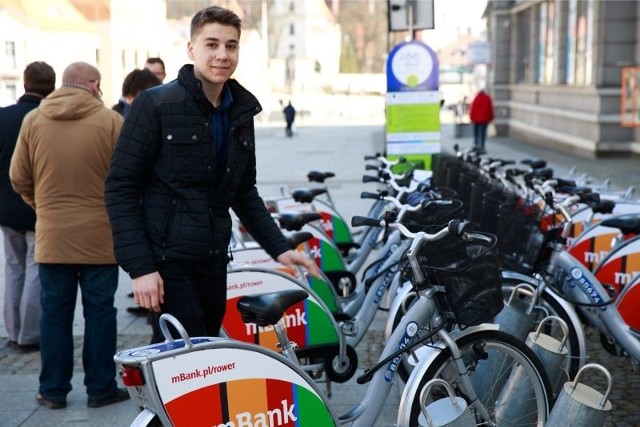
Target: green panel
x: 321, y: 330
x: 413, y: 118
x: 312, y: 411
x: 324, y: 291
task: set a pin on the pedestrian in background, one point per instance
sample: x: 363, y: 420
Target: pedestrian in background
x: 156, y: 66
x: 59, y: 166
x: 17, y: 220
x: 480, y: 114
x: 134, y: 83
x: 186, y: 155
x: 289, y: 117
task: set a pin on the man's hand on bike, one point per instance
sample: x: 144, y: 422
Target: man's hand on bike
x: 292, y: 259
x: 148, y: 291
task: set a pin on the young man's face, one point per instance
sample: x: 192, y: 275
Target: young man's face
x: 215, y: 52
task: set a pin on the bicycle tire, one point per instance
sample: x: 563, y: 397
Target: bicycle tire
x: 535, y: 382
x: 545, y: 306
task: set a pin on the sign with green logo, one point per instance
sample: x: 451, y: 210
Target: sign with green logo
x: 413, y: 103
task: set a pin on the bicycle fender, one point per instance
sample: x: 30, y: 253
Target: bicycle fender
x: 412, y: 388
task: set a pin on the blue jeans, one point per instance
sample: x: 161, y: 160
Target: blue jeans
x: 479, y: 134
x: 98, y: 284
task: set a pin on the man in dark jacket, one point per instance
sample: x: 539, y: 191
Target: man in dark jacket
x: 185, y: 156
x: 17, y: 220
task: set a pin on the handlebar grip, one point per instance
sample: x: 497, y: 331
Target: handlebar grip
x: 458, y: 227
x: 369, y: 195
x: 565, y: 182
x: 359, y: 221
x: 371, y: 167
x: 369, y: 157
x: 589, y: 197
x: 369, y: 178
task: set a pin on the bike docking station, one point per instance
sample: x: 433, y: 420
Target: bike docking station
x: 516, y: 317
x: 581, y: 405
x: 205, y: 381
x: 552, y: 353
x: 450, y: 411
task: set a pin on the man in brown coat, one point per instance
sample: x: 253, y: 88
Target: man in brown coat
x: 59, y: 167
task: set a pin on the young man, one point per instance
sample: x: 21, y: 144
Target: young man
x: 186, y: 154
x: 59, y: 167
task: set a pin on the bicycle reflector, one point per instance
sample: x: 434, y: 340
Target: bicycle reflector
x: 132, y: 376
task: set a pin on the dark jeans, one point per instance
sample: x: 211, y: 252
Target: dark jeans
x: 196, y: 295
x: 289, y: 129
x: 479, y: 134
x: 98, y: 284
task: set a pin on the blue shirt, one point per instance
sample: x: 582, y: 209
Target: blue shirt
x: 218, y: 118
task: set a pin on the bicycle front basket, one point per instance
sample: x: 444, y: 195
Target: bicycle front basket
x: 469, y: 273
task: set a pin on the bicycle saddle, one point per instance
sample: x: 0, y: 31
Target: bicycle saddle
x: 294, y: 221
x: 267, y: 309
x: 306, y: 195
x: 627, y: 224
x: 317, y: 176
x: 534, y: 163
x: 604, y: 206
x: 296, y: 238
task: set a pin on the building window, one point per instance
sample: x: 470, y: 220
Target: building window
x: 546, y: 42
x: 13, y: 92
x: 523, y: 39
x: 584, y: 43
x: 580, y: 42
x: 292, y: 29
x: 292, y: 7
x: 10, y: 54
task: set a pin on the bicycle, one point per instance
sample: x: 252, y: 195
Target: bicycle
x: 334, y: 325
x: 560, y: 277
x: 205, y: 381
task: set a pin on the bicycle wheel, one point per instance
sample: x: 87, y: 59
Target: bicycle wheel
x: 548, y: 306
x: 493, y: 357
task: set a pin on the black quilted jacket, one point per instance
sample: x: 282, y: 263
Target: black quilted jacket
x: 163, y: 200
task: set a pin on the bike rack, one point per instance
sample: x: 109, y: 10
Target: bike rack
x: 579, y: 404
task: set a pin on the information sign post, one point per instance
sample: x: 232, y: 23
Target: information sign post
x: 413, y: 104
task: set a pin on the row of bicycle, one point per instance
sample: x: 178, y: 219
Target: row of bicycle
x: 287, y: 332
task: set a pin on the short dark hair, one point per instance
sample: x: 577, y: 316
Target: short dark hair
x: 156, y: 60
x: 137, y: 81
x: 39, y: 77
x: 214, y: 14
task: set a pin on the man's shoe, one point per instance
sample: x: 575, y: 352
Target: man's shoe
x: 51, y: 404
x: 119, y: 395
x: 138, y: 311
x: 27, y: 348
x: 12, y: 344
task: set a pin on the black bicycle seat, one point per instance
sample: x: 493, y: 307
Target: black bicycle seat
x: 267, y: 309
x: 294, y: 221
x: 317, y: 176
x: 296, y: 238
x: 626, y: 224
x: 306, y: 195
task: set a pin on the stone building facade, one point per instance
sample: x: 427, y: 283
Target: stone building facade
x: 556, y: 72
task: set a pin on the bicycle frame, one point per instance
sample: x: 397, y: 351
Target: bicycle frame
x: 582, y: 286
